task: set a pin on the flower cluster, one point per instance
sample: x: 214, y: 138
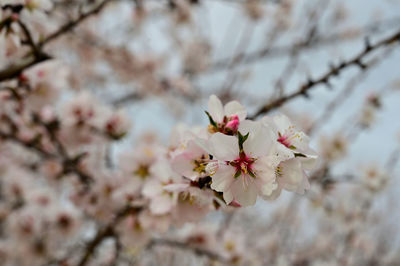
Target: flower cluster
x: 245, y: 158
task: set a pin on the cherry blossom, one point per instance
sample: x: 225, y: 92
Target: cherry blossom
x: 245, y: 164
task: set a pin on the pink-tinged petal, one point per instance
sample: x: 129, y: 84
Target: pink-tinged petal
x: 194, y: 148
x: 223, y: 178
x: 224, y: 147
x: 235, y: 108
x: 244, y: 191
x: 183, y: 165
x: 161, y: 204
x: 162, y: 170
x: 216, y: 109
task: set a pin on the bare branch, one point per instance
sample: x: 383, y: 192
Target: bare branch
x: 334, y: 71
x: 272, y: 52
x: 72, y: 24
x: 105, y: 232
x: 182, y: 245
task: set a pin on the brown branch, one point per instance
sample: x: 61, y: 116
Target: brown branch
x: 105, y: 232
x: 15, y: 70
x: 335, y: 70
x: 72, y: 24
x: 185, y: 246
x: 273, y: 52
x: 30, y: 41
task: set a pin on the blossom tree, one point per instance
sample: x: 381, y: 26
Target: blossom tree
x: 79, y: 79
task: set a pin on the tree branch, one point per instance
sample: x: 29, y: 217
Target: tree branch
x: 182, y: 245
x: 72, y: 24
x: 334, y: 71
x: 269, y: 52
x: 106, y: 232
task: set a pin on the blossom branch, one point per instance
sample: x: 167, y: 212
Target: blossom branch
x: 38, y: 56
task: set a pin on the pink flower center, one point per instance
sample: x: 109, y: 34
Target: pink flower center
x: 243, y: 165
x: 284, y: 139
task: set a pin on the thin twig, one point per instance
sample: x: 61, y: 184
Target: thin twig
x: 335, y: 70
x: 105, y: 232
x: 185, y: 246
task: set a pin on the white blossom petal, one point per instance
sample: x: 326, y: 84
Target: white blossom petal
x: 223, y: 178
x: 259, y: 142
x: 224, y: 147
x: 235, y: 108
x: 244, y: 191
x: 216, y: 109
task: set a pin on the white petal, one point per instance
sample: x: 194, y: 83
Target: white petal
x: 265, y: 168
x: 282, y: 122
x: 309, y: 162
x: 216, y: 109
x: 292, y: 174
x: 235, y: 108
x: 267, y: 189
x: 260, y: 140
x: 281, y: 151
x: 223, y: 178
x: 224, y: 147
x: 268, y: 121
x: 244, y: 192
x: 228, y: 197
x: 275, y: 194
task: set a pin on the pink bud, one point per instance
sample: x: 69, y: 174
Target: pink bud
x: 234, y: 123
